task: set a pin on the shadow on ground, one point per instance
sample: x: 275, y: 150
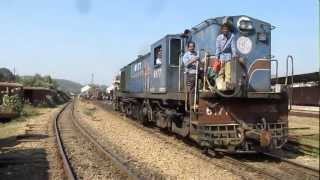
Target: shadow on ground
x: 20, y: 162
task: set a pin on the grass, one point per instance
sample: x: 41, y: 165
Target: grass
x: 15, y: 126
x: 29, y: 111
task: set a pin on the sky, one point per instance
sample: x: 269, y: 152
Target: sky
x: 72, y: 39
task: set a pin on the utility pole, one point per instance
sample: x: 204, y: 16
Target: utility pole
x: 14, y: 73
x: 92, y: 79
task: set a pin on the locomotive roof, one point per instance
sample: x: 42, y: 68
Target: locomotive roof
x: 140, y: 57
x: 219, y: 21
x: 198, y: 27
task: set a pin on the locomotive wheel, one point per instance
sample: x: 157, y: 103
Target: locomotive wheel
x: 135, y: 110
x: 129, y: 110
x: 122, y: 108
x: 209, y: 152
x: 114, y: 106
x: 181, y: 128
x: 142, y: 115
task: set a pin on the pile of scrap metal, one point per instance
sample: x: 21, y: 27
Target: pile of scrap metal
x: 40, y: 96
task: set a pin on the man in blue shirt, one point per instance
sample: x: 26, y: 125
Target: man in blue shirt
x: 225, y: 44
x: 189, y: 61
x: 225, y: 51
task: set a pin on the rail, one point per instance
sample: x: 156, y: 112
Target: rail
x: 312, y: 169
x: 117, y: 161
x: 66, y: 163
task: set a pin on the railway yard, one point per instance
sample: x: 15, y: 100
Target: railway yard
x: 87, y: 140
x: 121, y: 90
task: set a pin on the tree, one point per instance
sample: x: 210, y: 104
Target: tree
x: 6, y: 75
x: 39, y: 81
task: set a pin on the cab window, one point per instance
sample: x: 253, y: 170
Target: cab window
x: 157, y: 56
x: 175, y: 49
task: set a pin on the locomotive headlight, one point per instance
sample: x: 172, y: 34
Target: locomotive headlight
x: 246, y: 25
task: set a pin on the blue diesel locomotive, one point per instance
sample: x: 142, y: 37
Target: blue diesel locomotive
x: 243, y: 115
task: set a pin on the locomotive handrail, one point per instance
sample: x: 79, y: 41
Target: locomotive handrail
x: 196, y: 86
x: 181, y: 53
x: 277, y: 63
x: 205, y: 67
x: 290, y: 58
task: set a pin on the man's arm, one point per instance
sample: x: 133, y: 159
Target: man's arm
x: 187, y: 59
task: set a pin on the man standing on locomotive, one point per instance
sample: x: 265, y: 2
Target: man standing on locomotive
x: 189, y: 60
x: 225, y: 44
x: 225, y: 50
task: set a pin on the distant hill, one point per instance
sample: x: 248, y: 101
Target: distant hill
x: 68, y: 86
x: 41, y: 81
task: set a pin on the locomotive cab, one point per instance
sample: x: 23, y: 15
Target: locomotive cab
x: 164, y: 76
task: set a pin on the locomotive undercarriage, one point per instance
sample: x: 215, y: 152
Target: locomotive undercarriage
x: 231, y: 138
x: 226, y: 135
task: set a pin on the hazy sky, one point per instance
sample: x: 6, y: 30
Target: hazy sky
x: 73, y: 38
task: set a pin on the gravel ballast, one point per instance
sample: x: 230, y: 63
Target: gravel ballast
x: 145, y: 152
x: 85, y: 161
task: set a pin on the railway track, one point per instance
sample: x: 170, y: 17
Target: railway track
x: 295, y: 146
x: 307, y: 170
x: 263, y: 165
x: 63, y: 155
x: 273, y: 166
x: 63, y: 129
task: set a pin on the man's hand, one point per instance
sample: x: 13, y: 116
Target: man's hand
x: 194, y: 59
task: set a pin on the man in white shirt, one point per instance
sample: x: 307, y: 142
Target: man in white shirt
x: 189, y: 60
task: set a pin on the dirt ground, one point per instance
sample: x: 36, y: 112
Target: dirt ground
x: 27, y: 149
